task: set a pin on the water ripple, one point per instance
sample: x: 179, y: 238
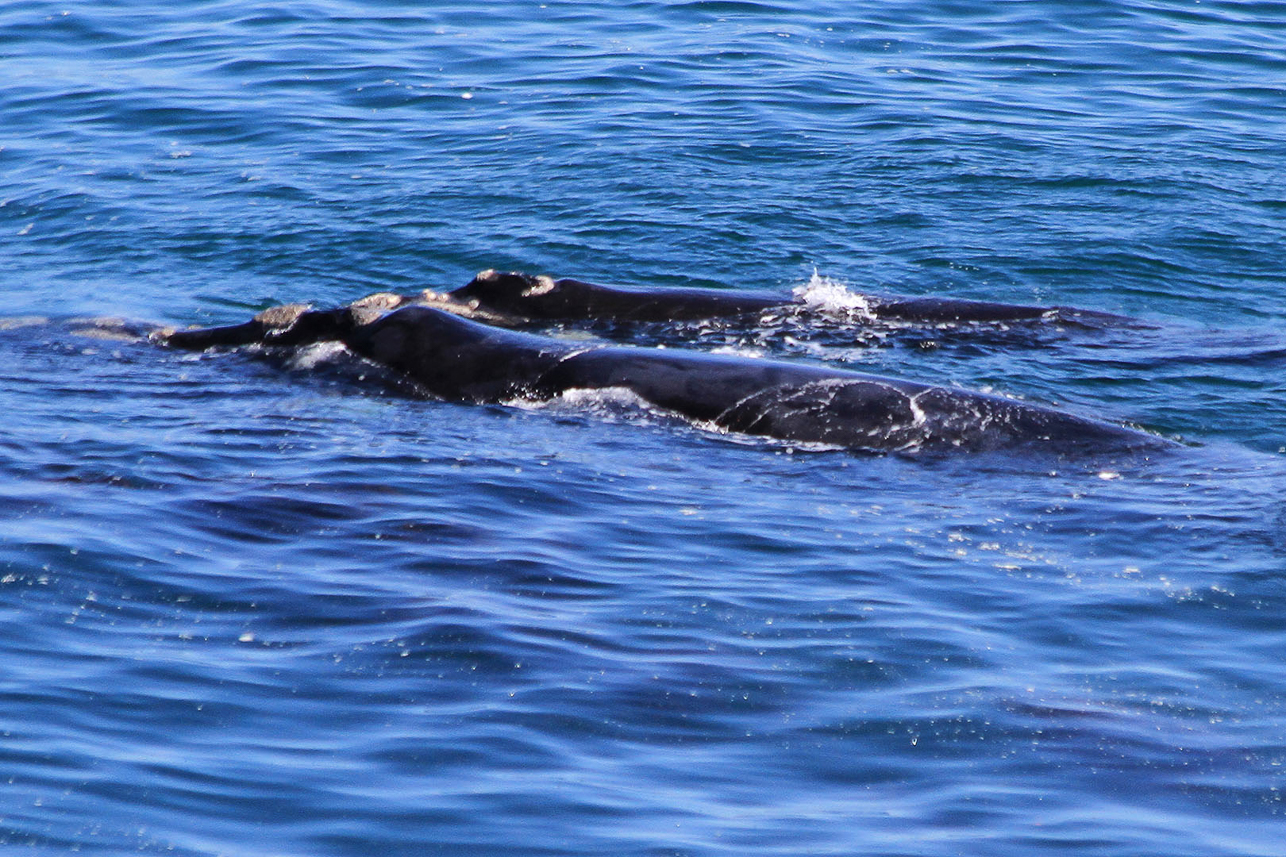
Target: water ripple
x: 258, y: 606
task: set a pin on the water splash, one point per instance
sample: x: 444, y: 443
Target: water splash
x: 833, y: 298
x: 315, y: 355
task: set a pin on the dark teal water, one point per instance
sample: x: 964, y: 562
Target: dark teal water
x: 255, y: 609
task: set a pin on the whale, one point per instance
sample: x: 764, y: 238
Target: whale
x: 451, y: 357
x: 515, y: 297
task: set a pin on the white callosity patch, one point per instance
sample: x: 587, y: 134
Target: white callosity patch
x: 543, y: 286
x: 282, y: 316
x: 380, y: 301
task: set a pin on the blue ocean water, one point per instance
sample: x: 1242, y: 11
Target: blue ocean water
x: 260, y: 609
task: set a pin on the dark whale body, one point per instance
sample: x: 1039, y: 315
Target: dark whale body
x: 517, y: 296
x: 458, y: 359
x: 542, y: 298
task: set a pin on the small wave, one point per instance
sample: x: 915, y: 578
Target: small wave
x: 833, y: 298
x: 111, y: 329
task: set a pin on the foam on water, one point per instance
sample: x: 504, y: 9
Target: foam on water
x: 603, y: 400
x: 831, y: 297
x: 312, y: 356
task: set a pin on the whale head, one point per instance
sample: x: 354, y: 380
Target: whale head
x: 510, y: 292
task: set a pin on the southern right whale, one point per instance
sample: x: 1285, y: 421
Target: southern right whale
x: 455, y: 358
x: 514, y: 296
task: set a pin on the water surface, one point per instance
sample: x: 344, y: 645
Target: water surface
x: 255, y: 608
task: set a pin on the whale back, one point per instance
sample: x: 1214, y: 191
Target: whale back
x: 546, y: 299
x: 453, y: 357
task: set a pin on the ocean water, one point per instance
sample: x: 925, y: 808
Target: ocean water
x: 274, y: 607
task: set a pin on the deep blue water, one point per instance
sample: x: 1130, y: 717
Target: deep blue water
x: 260, y: 609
